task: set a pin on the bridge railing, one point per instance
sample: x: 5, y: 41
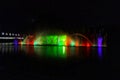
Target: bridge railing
x: 11, y: 38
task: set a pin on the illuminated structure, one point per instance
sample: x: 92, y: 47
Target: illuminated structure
x: 54, y: 39
x: 12, y: 38
x: 76, y: 39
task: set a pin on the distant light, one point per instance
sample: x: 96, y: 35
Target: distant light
x: 15, y: 34
x: 3, y: 33
x: 15, y: 42
x: 88, y: 45
x: 7, y: 37
x: 6, y: 33
x: 100, y: 41
x: 10, y: 34
x: 19, y: 37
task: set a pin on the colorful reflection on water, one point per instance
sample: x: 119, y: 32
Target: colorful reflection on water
x: 100, y: 52
x: 50, y: 51
x: 57, y: 52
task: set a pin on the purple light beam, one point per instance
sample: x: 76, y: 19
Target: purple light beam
x: 100, y: 41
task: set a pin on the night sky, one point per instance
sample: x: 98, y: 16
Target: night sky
x: 30, y: 15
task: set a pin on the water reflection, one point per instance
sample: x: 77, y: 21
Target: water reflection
x: 54, y: 51
x: 8, y: 49
x: 29, y: 50
x: 50, y: 51
x: 88, y: 51
x: 100, y: 53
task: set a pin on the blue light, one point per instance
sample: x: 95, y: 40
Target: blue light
x: 100, y: 52
x: 100, y: 42
x: 15, y: 42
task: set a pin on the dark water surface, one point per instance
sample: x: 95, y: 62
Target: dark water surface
x: 46, y: 62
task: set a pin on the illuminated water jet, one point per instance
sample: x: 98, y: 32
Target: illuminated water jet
x: 60, y: 40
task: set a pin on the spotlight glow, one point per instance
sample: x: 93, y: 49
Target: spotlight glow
x: 61, y: 40
x: 72, y: 43
x: 100, y: 41
x: 3, y: 33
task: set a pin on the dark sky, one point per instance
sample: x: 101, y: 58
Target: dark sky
x: 28, y: 15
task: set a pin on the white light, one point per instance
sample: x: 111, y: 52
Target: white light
x: 11, y: 38
x: 15, y: 34
x: 20, y: 38
x: 10, y: 34
x: 6, y: 33
x: 2, y: 33
x: 7, y: 37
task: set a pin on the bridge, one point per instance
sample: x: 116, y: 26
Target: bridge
x: 10, y: 37
x: 21, y: 38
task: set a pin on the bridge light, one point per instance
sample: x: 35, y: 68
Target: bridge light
x: 15, y: 34
x: 12, y: 34
x: 6, y: 34
x: 9, y: 34
x: 3, y: 33
x: 21, y: 37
